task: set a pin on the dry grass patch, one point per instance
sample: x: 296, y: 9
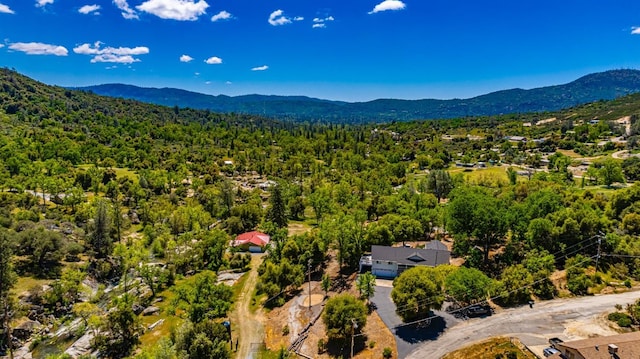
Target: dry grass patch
x: 493, y: 348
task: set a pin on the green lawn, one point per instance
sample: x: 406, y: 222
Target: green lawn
x: 490, y: 175
x: 26, y: 283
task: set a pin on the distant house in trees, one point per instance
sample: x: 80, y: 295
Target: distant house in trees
x: 255, y: 242
x: 516, y: 138
x: 389, y: 262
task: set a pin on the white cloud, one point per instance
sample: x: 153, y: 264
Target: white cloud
x: 38, y: 48
x: 197, y: 74
x: 260, y: 68
x: 1, y: 46
x: 182, y: 10
x: 186, y: 58
x: 87, y: 9
x: 119, y: 59
x: 228, y: 83
x: 207, y: 82
x: 320, y: 23
x: 214, y: 60
x: 277, y: 18
x: 41, y: 3
x: 387, y: 5
x: 127, y: 12
x: 635, y: 30
x: 5, y: 9
x: 298, y: 18
x: 222, y: 15
x: 122, y: 55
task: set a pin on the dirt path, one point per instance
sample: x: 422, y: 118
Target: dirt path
x: 554, y: 318
x: 248, y: 326
x: 620, y: 155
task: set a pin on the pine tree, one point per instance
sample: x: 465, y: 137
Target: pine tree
x: 276, y: 212
x: 100, y: 238
x: 439, y: 183
x: 366, y: 284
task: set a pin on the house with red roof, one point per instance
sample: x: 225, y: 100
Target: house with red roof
x: 252, y: 241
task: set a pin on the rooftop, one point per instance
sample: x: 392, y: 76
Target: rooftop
x: 411, y: 256
x: 628, y: 346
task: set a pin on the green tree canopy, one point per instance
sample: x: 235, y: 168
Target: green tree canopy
x: 439, y: 183
x: 121, y: 330
x: 7, y: 281
x: 99, y: 239
x: 276, y: 212
x: 475, y: 213
x: 340, y: 314
x: 416, y: 292
x: 468, y: 285
x: 366, y: 284
x: 202, y: 298
x: 611, y: 171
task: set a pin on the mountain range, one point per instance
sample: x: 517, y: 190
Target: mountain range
x: 598, y: 86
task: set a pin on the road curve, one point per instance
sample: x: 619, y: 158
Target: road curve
x: 531, y: 325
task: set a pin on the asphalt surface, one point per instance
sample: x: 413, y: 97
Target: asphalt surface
x: 409, y: 338
x: 533, y: 326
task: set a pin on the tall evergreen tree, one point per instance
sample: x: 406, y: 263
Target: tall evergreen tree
x: 439, y: 183
x: 276, y: 212
x: 100, y: 237
x: 113, y: 192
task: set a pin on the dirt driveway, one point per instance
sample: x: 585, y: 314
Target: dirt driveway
x: 248, y: 326
x: 562, y: 318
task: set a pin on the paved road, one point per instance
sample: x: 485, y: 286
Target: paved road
x: 531, y: 326
x: 408, y: 338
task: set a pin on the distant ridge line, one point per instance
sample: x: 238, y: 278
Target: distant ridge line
x: 606, y: 85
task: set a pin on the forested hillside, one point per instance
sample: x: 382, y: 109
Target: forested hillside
x: 599, y: 86
x: 116, y: 218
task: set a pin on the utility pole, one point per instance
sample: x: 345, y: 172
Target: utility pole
x: 309, y: 269
x: 598, y: 255
x: 354, y: 326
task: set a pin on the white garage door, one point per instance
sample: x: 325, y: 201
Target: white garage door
x: 383, y: 272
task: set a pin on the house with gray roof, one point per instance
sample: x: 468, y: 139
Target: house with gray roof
x: 389, y: 262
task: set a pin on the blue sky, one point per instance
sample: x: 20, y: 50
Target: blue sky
x: 350, y: 50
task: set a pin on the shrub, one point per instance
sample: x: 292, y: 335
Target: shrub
x: 285, y: 330
x: 622, y: 319
x: 619, y: 271
x: 386, y: 353
x: 579, y: 284
x: 322, y: 346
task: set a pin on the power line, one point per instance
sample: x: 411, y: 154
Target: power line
x: 408, y: 307
x: 619, y: 255
x: 492, y: 298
